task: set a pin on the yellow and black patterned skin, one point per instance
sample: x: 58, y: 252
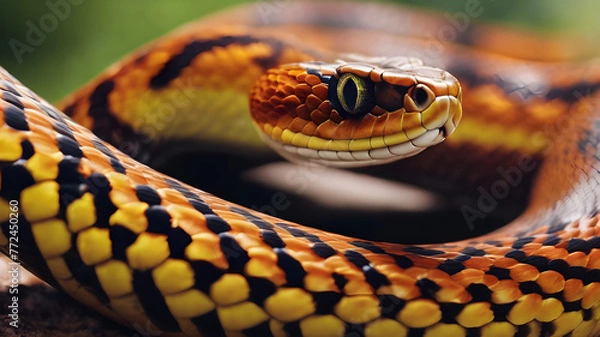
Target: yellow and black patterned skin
x: 142, y: 248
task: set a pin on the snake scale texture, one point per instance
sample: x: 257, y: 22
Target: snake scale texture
x: 143, y: 248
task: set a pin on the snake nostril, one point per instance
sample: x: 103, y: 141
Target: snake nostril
x: 422, y: 96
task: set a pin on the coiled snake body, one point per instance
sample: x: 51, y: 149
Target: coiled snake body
x: 139, y: 247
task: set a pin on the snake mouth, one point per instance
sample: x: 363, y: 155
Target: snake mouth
x: 358, y: 158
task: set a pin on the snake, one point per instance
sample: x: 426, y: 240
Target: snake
x: 329, y: 85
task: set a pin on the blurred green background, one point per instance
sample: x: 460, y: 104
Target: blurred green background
x: 97, y: 33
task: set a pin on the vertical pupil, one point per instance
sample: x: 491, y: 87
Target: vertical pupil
x: 350, y: 94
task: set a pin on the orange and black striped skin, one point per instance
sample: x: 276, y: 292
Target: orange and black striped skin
x: 139, y: 246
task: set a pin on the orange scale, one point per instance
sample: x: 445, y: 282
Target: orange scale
x: 37, y: 120
x: 375, y: 75
x: 552, y: 253
x: 416, y: 272
x: 321, y: 91
x: 551, y: 282
x: 267, y: 269
x: 229, y: 215
x: 524, y: 272
x: 379, y: 126
x: 505, y: 262
x: 498, y: 251
x: 577, y: 259
x: 156, y: 181
x: 285, y: 120
x: 396, y: 78
x: 345, y: 129
x: 382, y: 261
x: 318, y: 117
x: 394, y: 123
x: 312, y: 79
x: 42, y: 140
x: 288, y: 89
x: 573, y: 290
x: 94, y: 155
x: 438, y: 275
x: 425, y: 262
x: 288, y: 101
x: 272, y: 76
x: 84, y: 140
x: 343, y: 268
x: 531, y: 248
x: 264, y: 253
x: 505, y: 291
x: 171, y: 196
x: 591, y: 295
x: 312, y: 102
x: 205, y: 247
x: 326, y: 129
x: 358, y: 287
x: 301, y: 77
x: 277, y: 111
x: 309, y: 129
x: 267, y: 105
x: 243, y: 226
x: 85, y: 168
x: 297, y: 124
x: 269, y: 91
x: 594, y: 259
x: 304, y: 256
x: 248, y: 241
x: 297, y: 71
x: 297, y: 244
x: 136, y: 177
x: 186, y: 218
x: 402, y: 291
x: 357, y: 69
x: 215, y: 205
x: 333, y: 114
x: 452, y: 292
x: 28, y: 104
x: 490, y: 280
x: 389, y: 269
x: 96, y: 160
x: 303, y: 112
x: 320, y: 282
x: 365, y: 128
x: 466, y: 277
x: 479, y: 262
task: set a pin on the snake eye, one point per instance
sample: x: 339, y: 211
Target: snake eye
x: 422, y: 96
x: 354, y: 94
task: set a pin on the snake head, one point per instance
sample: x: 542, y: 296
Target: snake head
x: 359, y: 113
